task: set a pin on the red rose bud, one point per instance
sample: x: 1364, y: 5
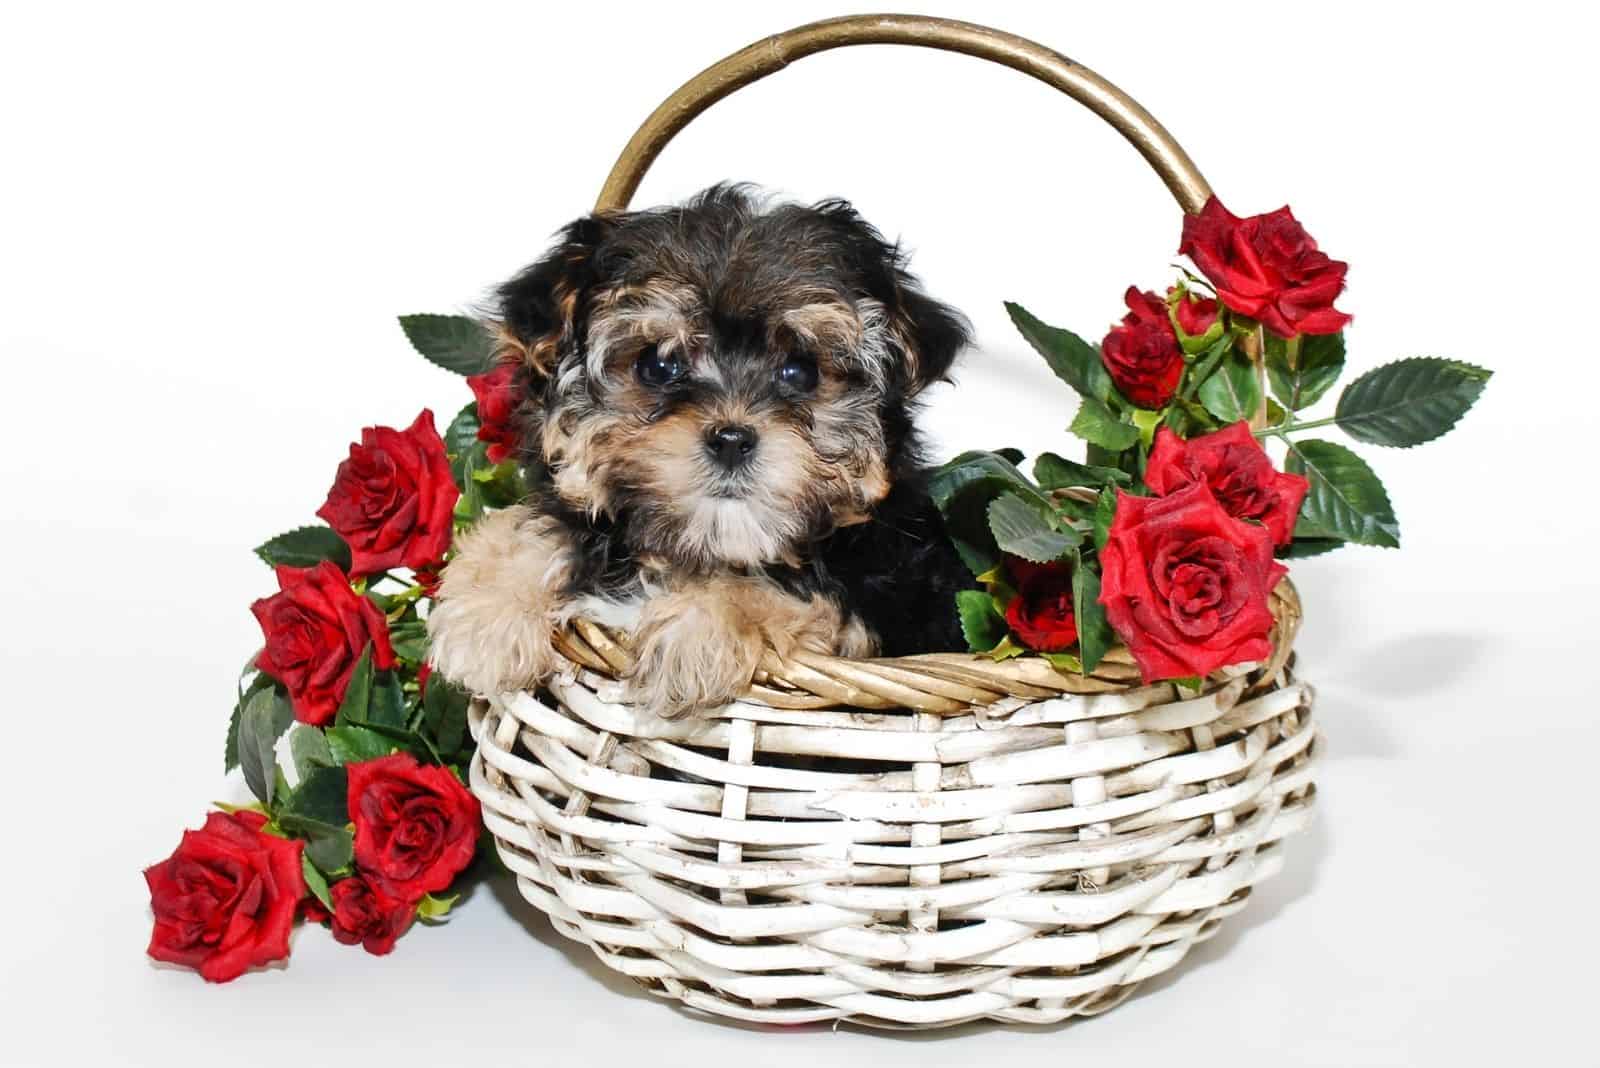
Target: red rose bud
x: 363, y: 913
x: 1267, y: 267
x: 497, y: 393
x: 226, y: 898
x: 1185, y: 585
x: 393, y: 499
x: 1040, y: 615
x: 1199, y: 324
x: 416, y: 825
x: 1238, y: 471
x: 1142, y: 353
x: 316, y: 628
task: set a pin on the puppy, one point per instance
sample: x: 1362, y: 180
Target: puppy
x: 719, y: 424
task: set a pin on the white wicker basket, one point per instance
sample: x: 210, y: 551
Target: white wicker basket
x: 899, y: 843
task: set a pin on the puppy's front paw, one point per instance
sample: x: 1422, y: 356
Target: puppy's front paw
x: 491, y: 628
x: 696, y: 650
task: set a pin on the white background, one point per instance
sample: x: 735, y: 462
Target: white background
x: 210, y: 215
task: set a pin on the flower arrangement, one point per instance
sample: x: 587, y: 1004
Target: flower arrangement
x: 369, y: 828
x: 1170, y: 535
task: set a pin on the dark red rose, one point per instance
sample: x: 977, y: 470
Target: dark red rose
x: 1195, y: 315
x: 497, y: 395
x: 1142, y: 353
x: 313, y: 911
x: 226, y: 898
x: 1185, y: 585
x: 316, y: 628
x: 1267, y: 267
x: 416, y: 825
x: 1040, y: 615
x: 1239, y: 472
x: 424, y: 669
x: 393, y: 499
x: 363, y: 913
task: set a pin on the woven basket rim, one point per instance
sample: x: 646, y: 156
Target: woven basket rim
x: 939, y: 683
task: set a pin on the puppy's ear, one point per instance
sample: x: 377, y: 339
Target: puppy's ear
x: 930, y: 333
x: 538, y: 309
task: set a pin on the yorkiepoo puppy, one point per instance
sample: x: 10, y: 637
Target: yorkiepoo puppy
x: 719, y: 423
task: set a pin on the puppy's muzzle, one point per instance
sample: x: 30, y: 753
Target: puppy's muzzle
x: 731, y: 446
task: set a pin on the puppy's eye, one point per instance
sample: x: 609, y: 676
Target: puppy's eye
x: 657, y: 369
x: 798, y: 374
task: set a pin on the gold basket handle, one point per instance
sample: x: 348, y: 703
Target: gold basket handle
x: 774, y: 53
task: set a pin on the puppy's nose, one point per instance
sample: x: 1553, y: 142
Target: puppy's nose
x: 731, y: 445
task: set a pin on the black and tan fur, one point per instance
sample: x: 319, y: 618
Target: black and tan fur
x: 793, y: 331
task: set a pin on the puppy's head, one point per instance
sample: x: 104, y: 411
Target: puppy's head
x: 728, y: 381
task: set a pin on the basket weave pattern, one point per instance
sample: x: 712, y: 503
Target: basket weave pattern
x: 1029, y: 859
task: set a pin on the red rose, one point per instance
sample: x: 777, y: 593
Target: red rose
x: 1196, y: 315
x: 1185, y: 584
x: 226, y: 898
x: 316, y: 629
x: 393, y: 499
x: 1267, y: 267
x: 497, y: 394
x: 416, y: 825
x: 1040, y: 615
x: 1239, y: 472
x: 424, y: 669
x: 1142, y: 354
x: 363, y: 913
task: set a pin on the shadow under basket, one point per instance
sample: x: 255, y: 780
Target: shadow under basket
x: 911, y: 842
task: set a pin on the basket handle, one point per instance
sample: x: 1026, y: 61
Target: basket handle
x: 774, y: 53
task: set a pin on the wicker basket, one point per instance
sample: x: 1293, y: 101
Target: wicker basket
x: 913, y: 842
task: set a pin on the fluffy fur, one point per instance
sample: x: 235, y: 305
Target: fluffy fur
x: 794, y: 336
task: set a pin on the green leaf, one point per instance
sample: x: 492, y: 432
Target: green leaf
x: 352, y: 745
x: 265, y: 717
x: 1301, y: 548
x: 983, y: 627
x: 444, y: 715
x: 1074, y: 360
x: 435, y: 908
x: 1013, y: 456
x: 1409, y: 402
x: 329, y: 847
x: 1317, y: 367
x: 1054, y: 472
x: 320, y: 796
x: 387, y: 708
x: 309, y: 749
x: 1346, y: 500
x: 1095, y: 636
x: 453, y: 342
x: 230, y: 753
x: 315, y: 882
x: 1105, y: 511
x: 305, y: 547
x: 1096, y: 424
x: 1006, y: 650
x: 1203, y: 367
x: 962, y: 490
x: 1022, y: 530
x: 1233, y: 393
x: 462, y: 433
x: 1064, y: 662
x: 410, y: 640
x: 358, y: 692
x: 1147, y: 421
